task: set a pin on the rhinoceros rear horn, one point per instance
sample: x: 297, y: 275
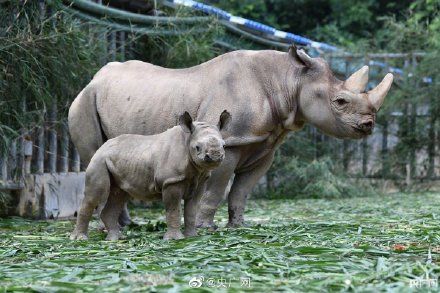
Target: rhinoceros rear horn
x: 377, y: 95
x: 357, y: 82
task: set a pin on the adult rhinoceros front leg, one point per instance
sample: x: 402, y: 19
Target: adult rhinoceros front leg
x: 243, y: 184
x: 215, y: 190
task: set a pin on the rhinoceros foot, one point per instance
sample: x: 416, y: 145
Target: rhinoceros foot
x: 190, y: 233
x: 173, y: 235
x: 210, y: 226
x: 113, y: 236
x: 101, y: 227
x: 78, y: 236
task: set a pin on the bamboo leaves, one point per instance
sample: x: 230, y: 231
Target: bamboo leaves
x: 302, y: 245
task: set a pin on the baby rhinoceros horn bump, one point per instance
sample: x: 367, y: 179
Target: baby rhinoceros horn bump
x: 357, y: 82
x: 213, y: 141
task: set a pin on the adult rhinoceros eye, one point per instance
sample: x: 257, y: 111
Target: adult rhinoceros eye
x: 341, y: 101
x: 198, y: 148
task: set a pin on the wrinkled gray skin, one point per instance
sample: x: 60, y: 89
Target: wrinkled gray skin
x: 170, y: 166
x: 141, y: 98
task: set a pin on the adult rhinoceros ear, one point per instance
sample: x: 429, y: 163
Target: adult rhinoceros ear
x: 225, y: 119
x: 301, y: 56
x: 186, y: 122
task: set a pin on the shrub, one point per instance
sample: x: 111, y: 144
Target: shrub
x: 179, y: 51
x: 5, y: 202
x: 43, y: 60
x: 315, y: 179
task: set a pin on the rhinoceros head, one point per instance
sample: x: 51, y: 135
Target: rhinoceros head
x: 206, y: 145
x: 339, y: 108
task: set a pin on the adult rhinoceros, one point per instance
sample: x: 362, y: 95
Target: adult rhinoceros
x: 268, y: 94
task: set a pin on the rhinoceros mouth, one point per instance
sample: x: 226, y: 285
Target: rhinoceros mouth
x: 362, y: 131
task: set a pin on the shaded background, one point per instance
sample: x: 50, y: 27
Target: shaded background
x: 48, y: 54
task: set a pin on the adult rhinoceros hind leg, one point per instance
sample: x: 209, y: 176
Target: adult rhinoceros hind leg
x: 215, y: 190
x: 124, y: 217
x: 243, y: 184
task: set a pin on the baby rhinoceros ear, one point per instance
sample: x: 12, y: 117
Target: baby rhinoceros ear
x: 225, y: 118
x: 186, y: 122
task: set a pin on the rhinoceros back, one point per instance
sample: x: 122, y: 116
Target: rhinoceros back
x: 140, y: 98
x: 135, y: 97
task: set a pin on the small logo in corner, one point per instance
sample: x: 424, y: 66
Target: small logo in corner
x: 196, y: 282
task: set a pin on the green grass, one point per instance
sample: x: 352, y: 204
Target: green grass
x: 359, y: 244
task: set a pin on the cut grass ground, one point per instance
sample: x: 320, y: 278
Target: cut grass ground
x: 361, y: 244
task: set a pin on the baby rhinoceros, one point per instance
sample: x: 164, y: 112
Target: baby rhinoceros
x: 170, y: 166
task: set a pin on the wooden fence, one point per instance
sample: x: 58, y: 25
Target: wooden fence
x: 45, y: 149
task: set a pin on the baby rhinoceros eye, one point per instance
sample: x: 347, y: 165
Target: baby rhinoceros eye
x: 198, y: 148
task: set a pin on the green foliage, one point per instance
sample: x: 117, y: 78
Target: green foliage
x: 179, y: 51
x: 315, y: 179
x: 5, y: 202
x: 419, y: 32
x: 47, y: 60
x: 252, y: 9
x: 340, y: 22
x: 310, y: 164
x: 370, y: 244
x: 41, y: 63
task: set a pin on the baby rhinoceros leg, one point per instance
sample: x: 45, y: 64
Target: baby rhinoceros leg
x: 110, y: 213
x: 190, y: 215
x: 192, y: 201
x: 172, y: 195
x: 96, y: 191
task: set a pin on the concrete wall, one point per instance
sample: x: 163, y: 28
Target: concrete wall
x: 51, y: 196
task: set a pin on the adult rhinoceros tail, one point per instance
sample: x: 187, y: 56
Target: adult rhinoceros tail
x: 84, y: 124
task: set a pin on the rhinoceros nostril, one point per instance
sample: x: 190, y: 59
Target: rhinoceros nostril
x: 367, y: 124
x: 208, y: 159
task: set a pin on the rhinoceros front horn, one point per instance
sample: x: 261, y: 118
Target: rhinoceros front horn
x: 377, y: 95
x: 357, y: 82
